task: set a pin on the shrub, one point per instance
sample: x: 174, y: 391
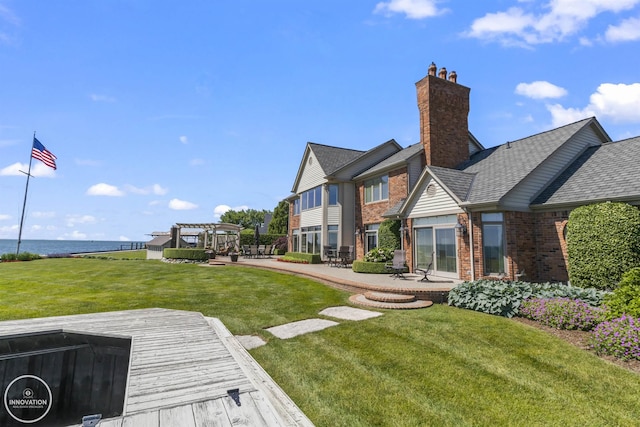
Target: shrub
x: 379, y: 255
x: 182, y: 253
x: 302, y: 258
x: 618, y: 337
x: 603, y: 241
x: 502, y: 298
x: 562, y: 313
x: 8, y: 257
x: 22, y: 256
x: 371, y: 267
x: 389, y: 234
x: 281, y: 244
x: 625, y: 299
x: 591, y: 296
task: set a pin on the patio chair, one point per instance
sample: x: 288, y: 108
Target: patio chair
x: 345, y: 254
x: 267, y: 251
x: 426, y: 271
x: 261, y: 250
x: 246, y: 251
x: 253, y: 251
x: 397, y: 265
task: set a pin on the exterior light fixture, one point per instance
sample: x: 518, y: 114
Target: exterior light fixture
x: 461, y: 229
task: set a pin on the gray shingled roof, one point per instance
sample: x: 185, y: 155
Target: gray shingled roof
x: 333, y: 158
x: 458, y: 182
x: 394, y: 160
x: 394, y: 210
x: 608, y: 172
x: 500, y: 169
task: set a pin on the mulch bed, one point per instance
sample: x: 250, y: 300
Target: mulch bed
x: 580, y: 339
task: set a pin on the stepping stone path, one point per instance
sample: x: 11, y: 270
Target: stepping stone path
x: 371, y: 299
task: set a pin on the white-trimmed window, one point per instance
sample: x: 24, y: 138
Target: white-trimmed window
x: 333, y: 194
x: 493, y: 243
x: 376, y: 189
x: 295, y: 241
x: 332, y: 236
x: 371, y: 236
x: 310, y: 239
x: 311, y: 198
x: 296, y: 207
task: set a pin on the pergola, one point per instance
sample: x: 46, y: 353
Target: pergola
x: 216, y: 234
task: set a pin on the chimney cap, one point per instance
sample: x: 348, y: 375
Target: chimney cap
x: 443, y: 73
x: 432, y: 69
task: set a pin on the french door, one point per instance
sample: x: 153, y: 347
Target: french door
x: 439, y: 243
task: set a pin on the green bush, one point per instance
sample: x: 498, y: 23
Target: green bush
x: 22, y: 256
x: 389, y: 234
x: 379, y: 255
x: 603, y: 241
x: 188, y: 253
x: 625, y: 299
x: 562, y: 313
x: 504, y: 298
x: 371, y: 267
x: 247, y: 238
x: 302, y: 257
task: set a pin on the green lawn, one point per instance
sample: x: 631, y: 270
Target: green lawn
x: 439, y: 366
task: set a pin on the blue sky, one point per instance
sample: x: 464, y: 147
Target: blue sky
x: 162, y: 112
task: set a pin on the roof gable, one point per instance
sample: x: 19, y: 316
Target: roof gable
x: 607, y: 172
x: 328, y: 159
x: 500, y: 169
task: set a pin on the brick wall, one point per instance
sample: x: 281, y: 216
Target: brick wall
x: 551, y: 246
x: 294, y: 223
x: 371, y: 213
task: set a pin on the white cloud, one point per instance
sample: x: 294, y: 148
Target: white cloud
x: 38, y: 169
x: 554, y: 21
x: 413, y: 9
x: 73, y: 220
x: 75, y: 235
x: 220, y: 210
x: 49, y: 214
x: 101, y: 98
x: 4, y: 217
x: 103, y: 189
x: 617, y: 102
x: 628, y: 30
x: 156, y: 189
x: 184, y: 139
x: 540, y: 90
x: 8, y: 16
x: 181, y: 205
x: 124, y: 239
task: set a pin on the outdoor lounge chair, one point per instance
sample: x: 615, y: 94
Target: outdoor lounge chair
x: 267, y: 251
x: 425, y: 271
x: 397, y: 265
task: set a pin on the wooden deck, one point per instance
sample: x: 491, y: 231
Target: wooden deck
x: 181, y: 368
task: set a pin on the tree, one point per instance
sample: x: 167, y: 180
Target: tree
x: 248, y: 218
x: 280, y: 219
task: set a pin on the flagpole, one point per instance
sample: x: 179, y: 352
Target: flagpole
x: 26, y: 189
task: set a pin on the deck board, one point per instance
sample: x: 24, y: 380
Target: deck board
x: 181, y: 367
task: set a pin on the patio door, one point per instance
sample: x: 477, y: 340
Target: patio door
x: 439, y: 242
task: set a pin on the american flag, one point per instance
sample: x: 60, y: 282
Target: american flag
x: 45, y: 156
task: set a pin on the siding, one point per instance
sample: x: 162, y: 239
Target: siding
x: 414, y: 169
x: 522, y: 194
x: 311, y: 217
x: 333, y: 215
x: 312, y: 174
x: 438, y: 204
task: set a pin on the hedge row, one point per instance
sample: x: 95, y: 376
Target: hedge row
x: 181, y: 253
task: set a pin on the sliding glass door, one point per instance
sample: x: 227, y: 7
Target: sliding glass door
x: 438, y: 243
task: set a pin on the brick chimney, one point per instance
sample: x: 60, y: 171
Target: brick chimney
x: 444, y: 128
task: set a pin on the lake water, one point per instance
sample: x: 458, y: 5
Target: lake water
x: 47, y: 247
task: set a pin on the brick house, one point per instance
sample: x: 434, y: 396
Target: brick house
x: 504, y: 207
